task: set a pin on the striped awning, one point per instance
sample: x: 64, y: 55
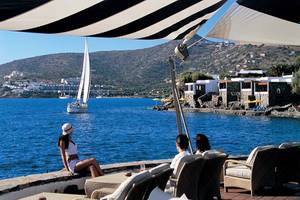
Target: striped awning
x: 135, y: 19
x: 260, y: 21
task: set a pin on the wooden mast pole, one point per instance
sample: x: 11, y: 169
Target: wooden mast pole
x: 178, y: 109
x: 173, y: 82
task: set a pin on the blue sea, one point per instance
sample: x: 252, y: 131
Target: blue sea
x: 120, y: 130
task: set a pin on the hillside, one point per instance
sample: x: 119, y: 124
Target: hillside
x: 148, y: 68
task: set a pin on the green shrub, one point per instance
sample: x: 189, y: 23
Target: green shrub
x: 296, y: 83
x: 188, y: 77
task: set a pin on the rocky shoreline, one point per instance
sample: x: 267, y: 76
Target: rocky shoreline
x: 274, y: 113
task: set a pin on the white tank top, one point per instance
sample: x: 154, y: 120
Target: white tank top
x: 72, y: 149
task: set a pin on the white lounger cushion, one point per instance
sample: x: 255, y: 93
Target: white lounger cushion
x: 253, y: 153
x: 158, y: 194
x: 160, y: 168
x: 239, y: 171
x: 122, y: 191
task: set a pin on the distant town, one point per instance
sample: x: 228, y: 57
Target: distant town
x: 17, y: 85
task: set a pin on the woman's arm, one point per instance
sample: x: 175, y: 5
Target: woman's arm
x: 63, y: 154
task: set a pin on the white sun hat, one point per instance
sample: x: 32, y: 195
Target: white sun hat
x: 67, y: 129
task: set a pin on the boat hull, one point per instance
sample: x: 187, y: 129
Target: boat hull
x: 64, y: 97
x: 76, y: 107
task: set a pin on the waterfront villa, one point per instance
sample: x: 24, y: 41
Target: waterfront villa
x: 200, y: 88
x: 263, y: 91
x: 248, y: 92
x: 272, y: 91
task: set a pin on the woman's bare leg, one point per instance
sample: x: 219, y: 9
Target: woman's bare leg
x: 98, y: 168
x: 84, y: 164
x: 96, y: 165
x: 87, y: 164
x: 94, y: 171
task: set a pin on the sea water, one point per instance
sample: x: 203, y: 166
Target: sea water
x: 120, y: 130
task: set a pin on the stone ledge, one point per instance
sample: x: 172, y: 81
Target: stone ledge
x: 55, y: 196
x: 19, y: 183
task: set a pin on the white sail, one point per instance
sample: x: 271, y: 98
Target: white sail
x: 86, y: 86
x: 80, y: 105
x: 82, y: 75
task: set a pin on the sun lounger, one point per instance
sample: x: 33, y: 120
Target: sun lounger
x: 183, y: 180
x: 254, y: 174
x: 185, y: 177
x: 198, y: 177
x: 139, y: 186
x: 288, y: 169
x: 110, y: 181
x: 209, y: 178
x: 161, y: 175
x: 140, y: 190
x: 122, y: 191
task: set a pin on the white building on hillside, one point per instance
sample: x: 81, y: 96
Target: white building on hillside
x: 202, y: 87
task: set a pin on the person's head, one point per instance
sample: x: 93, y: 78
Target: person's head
x: 202, y: 143
x: 182, y: 142
x: 67, y: 130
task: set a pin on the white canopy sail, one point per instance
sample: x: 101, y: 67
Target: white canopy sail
x: 257, y: 21
x: 135, y: 19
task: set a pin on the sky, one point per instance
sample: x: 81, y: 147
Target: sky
x: 18, y: 45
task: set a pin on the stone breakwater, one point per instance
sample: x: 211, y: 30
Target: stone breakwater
x: 274, y: 113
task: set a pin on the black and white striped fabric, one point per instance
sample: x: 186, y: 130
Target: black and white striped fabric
x: 287, y: 9
x: 261, y: 21
x: 136, y: 19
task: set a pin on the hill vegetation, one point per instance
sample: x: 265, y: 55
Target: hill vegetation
x: 146, y: 69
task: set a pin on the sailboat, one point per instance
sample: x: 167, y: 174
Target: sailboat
x: 62, y: 93
x: 80, y: 104
x: 64, y: 96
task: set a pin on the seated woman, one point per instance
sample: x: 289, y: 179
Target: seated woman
x: 182, y: 144
x: 202, y: 143
x: 68, y: 151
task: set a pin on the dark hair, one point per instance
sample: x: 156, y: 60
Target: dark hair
x: 65, y: 139
x: 202, y: 142
x: 182, y: 141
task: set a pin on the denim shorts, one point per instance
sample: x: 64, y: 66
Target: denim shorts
x: 72, y: 165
